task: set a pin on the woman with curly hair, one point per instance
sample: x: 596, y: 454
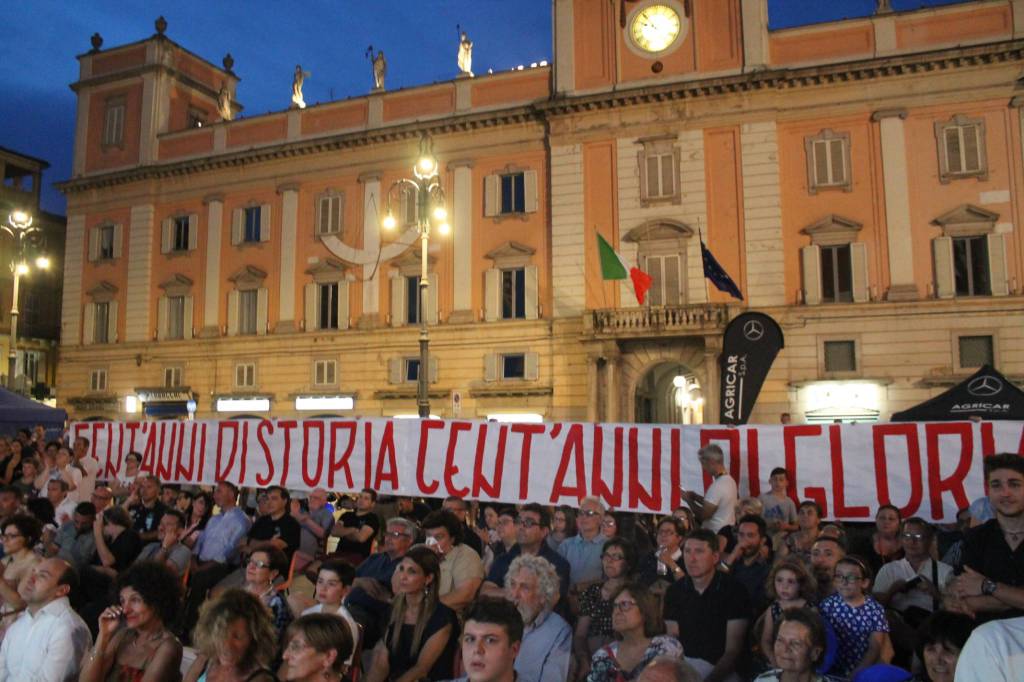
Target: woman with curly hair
x: 318, y: 644
x: 133, y: 643
x: 236, y: 640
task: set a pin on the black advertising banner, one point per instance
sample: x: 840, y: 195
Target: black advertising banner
x: 751, y: 342
x: 986, y: 394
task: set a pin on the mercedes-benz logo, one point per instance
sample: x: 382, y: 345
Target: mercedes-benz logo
x: 753, y: 330
x: 985, y: 386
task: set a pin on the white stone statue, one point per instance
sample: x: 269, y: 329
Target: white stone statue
x: 465, y: 54
x: 300, y: 77
x: 380, y: 69
x: 224, y: 103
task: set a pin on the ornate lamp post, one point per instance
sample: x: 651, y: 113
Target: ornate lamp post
x: 19, y: 226
x: 430, y: 211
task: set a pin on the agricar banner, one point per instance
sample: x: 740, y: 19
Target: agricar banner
x: 926, y: 469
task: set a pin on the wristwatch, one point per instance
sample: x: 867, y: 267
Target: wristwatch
x: 988, y: 587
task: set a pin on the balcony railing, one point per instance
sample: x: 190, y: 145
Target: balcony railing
x: 678, y: 319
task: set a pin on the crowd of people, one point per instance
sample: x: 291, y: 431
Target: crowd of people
x: 133, y: 579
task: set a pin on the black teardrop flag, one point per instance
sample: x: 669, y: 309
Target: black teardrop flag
x: 751, y: 342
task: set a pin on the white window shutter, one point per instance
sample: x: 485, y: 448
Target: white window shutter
x: 338, y: 217
x: 398, y: 302
x: 312, y: 306
x: 491, y: 367
x: 859, y: 271
x: 233, y: 297
x: 530, y: 281
x: 492, y: 195
x: 942, y: 253
x: 492, y: 294
x: 997, y: 264
x: 237, y: 226
x: 531, y: 366
x: 430, y: 312
x: 94, y: 244
x: 432, y: 372
x: 161, y: 318
x: 187, y: 326
x: 166, y: 235
x: 811, y: 259
x: 343, y: 304
x: 530, y: 191
x: 89, y: 325
x: 112, y: 322
x: 265, y: 223
x: 193, y: 232
x: 672, y: 280
x: 641, y: 162
x: 262, y: 303
x: 118, y: 230
x: 395, y: 366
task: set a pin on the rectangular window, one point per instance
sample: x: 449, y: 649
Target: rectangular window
x: 106, y: 242
x: 513, y: 366
x: 329, y: 215
x: 975, y: 351
x: 245, y: 375
x: 407, y: 206
x: 251, y: 224
x: 180, y: 237
x: 829, y: 163
x: 513, y: 294
x: 970, y: 266
x: 248, y: 302
x: 840, y: 356
x: 172, y: 377
x: 113, y: 123
x: 666, y: 275
x: 325, y: 372
x: 175, y: 317
x: 30, y: 369
x: 660, y: 175
x: 412, y: 297
x: 963, y: 145
x: 412, y: 369
x: 98, y: 380
x: 327, y: 317
x: 836, y: 274
x: 101, y: 322
x: 513, y: 193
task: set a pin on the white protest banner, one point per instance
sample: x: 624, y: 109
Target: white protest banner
x: 926, y: 469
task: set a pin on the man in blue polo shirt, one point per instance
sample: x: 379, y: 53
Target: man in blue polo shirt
x: 583, y: 550
x: 532, y: 529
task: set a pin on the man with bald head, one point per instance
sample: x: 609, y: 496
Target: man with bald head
x: 48, y: 640
x: 665, y: 669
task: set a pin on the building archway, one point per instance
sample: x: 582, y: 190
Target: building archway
x: 668, y: 393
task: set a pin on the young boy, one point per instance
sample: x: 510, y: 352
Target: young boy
x: 779, y: 510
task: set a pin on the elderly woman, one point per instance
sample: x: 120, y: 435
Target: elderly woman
x: 532, y: 584
x: 636, y: 618
x: 594, y: 627
x: 664, y: 566
x: 798, y: 647
x: 462, y: 571
x: 941, y: 638
x: 236, y: 640
x: 261, y: 570
x: 316, y: 650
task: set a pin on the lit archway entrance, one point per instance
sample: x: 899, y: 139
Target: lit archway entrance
x: 669, y: 393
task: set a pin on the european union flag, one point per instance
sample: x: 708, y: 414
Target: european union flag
x: 717, y: 274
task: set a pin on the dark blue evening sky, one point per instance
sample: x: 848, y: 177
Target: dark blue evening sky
x: 268, y: 38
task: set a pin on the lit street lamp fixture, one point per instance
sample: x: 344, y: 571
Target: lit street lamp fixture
x: 430, y: 210
x: 19, y: 226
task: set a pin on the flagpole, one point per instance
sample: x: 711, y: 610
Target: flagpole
x: 700, y: 236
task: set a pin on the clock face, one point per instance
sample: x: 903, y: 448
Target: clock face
x: 655, y: 28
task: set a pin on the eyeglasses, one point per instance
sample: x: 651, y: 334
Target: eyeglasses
x: 396, y: 534
x: 613, y: 557
x: 256, y: 563
x: 624, y: 605
x: 12, y: 536
x: 913, y: 536
x: 590, y: 513
x: 608, y: 523
x: 527, y: 523
x: 848, y: 578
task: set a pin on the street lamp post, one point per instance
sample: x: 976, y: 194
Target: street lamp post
x: 19, y: 226
x: 430, y: 210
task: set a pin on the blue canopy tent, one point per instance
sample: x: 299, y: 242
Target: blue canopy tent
x: 17, y: 412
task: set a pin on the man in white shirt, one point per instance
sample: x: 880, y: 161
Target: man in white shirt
x: 994, y: 653
x: 89, y: 467
x: 717, y: 508
x: 48, y: 642
x: 63, y: 504
x: 915, y: 582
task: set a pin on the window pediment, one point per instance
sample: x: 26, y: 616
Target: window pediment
x: 833, y: 229
x: 176, y: 285
x: 966, y: 220
x: 327, y: 270
x: 409, y: 265
x: 512, y: 255
x: 102, y: 292
x: 659, y: 230
x: 249, y: 277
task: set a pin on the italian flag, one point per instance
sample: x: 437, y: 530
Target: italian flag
x: 613, y: 266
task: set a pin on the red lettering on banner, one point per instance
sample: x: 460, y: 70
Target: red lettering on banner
x: 790, y: 434
x: 879, y: 433
x: 612, y: 497
x: 387, y: 446
x: 528, y: 431
x: 480, y: 482
x: 309, y: 425
x: 954, y: 483
x: 132, y: 428
x: 732, y: 437
x: 286, y: 426
x: 753, y: 463
x: 339, y: 464
x: 243, y: 454
x: 221, y: 428
x: 676, y: 469
x: 149, y: 453
x: 637, y: 493
x: 202, y: 454
x: 176, y: 460
x: 572, y: 452
x: 450, y: 469
x: 110, y: 470
x: 367, y: 453
x: 267, y: 428
x: 1020, y: 445
x: 835, y: 440
x: 426, y: 425
x: 988, y: 448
